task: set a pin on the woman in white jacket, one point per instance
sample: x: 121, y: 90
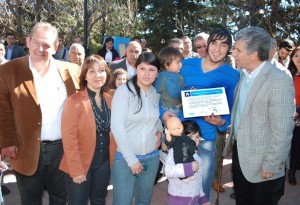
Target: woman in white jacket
x: 137, y: 130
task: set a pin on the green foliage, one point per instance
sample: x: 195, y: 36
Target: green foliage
x: 155, y: 20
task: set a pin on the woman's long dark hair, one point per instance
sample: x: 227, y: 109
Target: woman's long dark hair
x: 148, y: 58
x: 108, y: 39
x: 292, y: 67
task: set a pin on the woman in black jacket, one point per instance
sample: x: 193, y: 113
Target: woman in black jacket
x: 108, y: 52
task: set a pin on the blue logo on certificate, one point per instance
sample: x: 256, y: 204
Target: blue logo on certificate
x: 187, y: 94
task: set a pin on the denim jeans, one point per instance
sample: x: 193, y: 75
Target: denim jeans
x: 48, y: 175
x: 207, y: 154
x: 126, y: 185
x: 95, y: 188
x: 1, y: 196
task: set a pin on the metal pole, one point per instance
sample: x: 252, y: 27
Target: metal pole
x: 253, y: 13
x: 85, y: 22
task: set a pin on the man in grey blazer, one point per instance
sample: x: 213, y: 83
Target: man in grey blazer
x: 132, y: 52
x: 262, y: 122
x: 12, y: 50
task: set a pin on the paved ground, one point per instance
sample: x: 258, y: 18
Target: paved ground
x: 291, y: 197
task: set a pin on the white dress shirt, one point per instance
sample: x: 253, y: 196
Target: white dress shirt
x: 130, y: 70
x: 51, y: 94
x: 108, y: 56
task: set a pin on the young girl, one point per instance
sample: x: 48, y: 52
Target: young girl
x: 169, y: 83
x: 186, y: 192
x: 119, y: 78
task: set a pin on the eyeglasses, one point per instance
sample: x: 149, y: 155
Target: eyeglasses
x: 199, y: 47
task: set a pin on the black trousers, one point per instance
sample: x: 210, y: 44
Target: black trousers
x: 31, y: 188
x: 295, y: 149
x: 268, y: 192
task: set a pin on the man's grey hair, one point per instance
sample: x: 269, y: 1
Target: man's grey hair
x: 255, y: 39
x: 45, y: 27
x: 201, y: 36
x: 175, y: 40
x: 78, y: 46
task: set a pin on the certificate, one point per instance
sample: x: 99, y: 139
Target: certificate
x: 204, y: 102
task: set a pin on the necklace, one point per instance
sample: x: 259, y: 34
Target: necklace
x: 102, y: 115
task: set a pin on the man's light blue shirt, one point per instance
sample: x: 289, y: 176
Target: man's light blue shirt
x: 9, y: 52
x: 247, y: 81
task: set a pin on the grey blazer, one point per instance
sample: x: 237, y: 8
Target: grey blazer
x: 266, y: 125
x: 118, y: 64
x: 17, y: 52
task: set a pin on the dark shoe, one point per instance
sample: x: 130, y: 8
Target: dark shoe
x: 232, y: 195
x: 292, y: 179
x: 4, y: 190
x: 216, y: 186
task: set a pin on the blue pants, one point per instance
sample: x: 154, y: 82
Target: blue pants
x: 126, y: 185
x: 95, y: 188
x: 207, y: 154
x: 1, y: 196
x: 48, y: 175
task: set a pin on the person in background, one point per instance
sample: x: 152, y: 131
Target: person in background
x: 147, y: 50
x: 132, y: 52
x: 137, y: 129
x: 62, y: 53
x: 186, y: 191
x: 76, y: 54
x: 285, y: 48
x: 204, y: 73
x: 86, y: 135
x: 4, y: 190
x: 176, y: 43
x: 187, y: 48
x: 200, y: 42
x: 262, y: 121
x: 12, y: 50
x: 108, y: 52
x: 137, y: 39
x: 3, y: 168
x: 78, y: 39
x: 35, y: 87
x: 119, y: 78
x: 2, y: 54
x: 143, y: 43
x: 294, y: 68
x: 273, y: 60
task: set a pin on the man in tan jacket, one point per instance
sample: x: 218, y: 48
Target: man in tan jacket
x: 32, y: 92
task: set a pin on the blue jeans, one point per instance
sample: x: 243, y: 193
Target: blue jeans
x: 47, y: 175
x: 95, y: 188
x: 1, y: 196
x: 207, y: 154
x: 126, y: 185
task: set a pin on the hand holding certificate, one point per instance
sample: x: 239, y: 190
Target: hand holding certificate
x: 204, y: 102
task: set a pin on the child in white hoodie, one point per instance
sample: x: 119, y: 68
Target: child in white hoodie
x: 186, y: 192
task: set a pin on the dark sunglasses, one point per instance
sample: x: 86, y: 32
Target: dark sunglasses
x: 199, y: 47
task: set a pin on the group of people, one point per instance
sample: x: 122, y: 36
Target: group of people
x: 67, y: 127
